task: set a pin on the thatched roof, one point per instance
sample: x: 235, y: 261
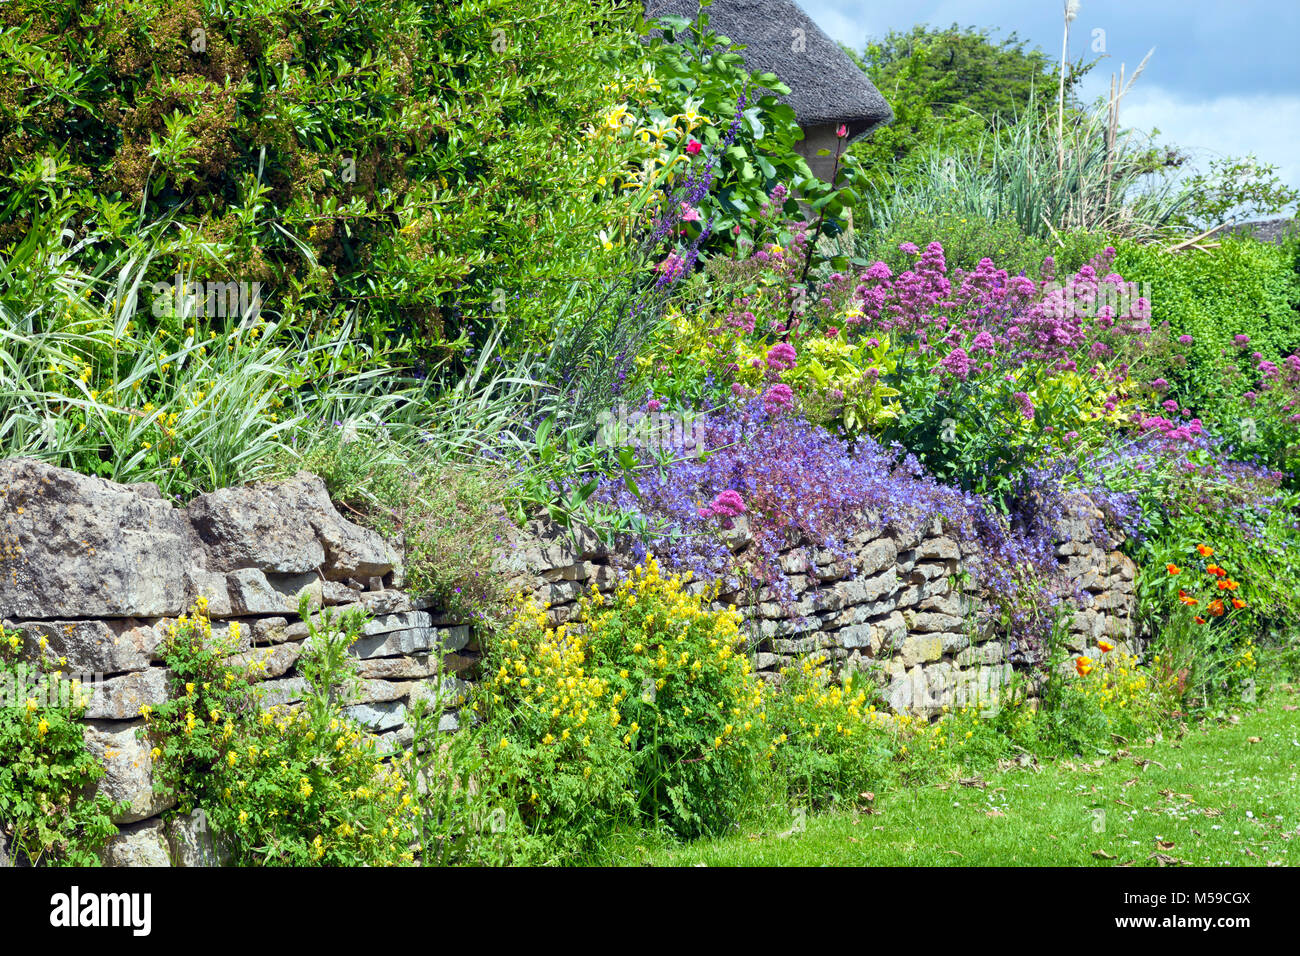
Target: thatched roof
x: 825, y: 85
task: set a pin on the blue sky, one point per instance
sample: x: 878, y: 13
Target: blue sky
x: 1224, y: 78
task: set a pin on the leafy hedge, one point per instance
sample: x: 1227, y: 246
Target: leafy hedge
x: 414, y: 157
x: 1244, y: 287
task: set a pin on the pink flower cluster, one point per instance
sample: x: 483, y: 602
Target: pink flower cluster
x: 726, y: 505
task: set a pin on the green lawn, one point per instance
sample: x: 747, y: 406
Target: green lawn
x: 1224, y: 794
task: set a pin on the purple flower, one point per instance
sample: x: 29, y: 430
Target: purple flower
x: 781, y: 356
x: 728, y: 504
x: 779, y: 398
x: 1025, y: 404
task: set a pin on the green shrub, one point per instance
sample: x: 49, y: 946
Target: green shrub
x: 830, y: 742
x: 643, y: 709
x: 412, y: 157
x: 46, y: 771
x: 1243, y: 287
x: 297, y: 786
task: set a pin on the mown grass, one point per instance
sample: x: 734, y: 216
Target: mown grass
x: 1222, y: 794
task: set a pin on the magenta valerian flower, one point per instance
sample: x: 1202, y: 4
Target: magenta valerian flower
x: 1241, y: 341
x: 1025, y: 404
x: 957, y: 364
x: 779, y: 398
x: 1184, y: 340
x: 781, y: 356
x: 728, y: 504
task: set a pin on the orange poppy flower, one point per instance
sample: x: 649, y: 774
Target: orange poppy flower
x: 1215, y: 570
x: 1106, y: 646
x: 1238, y: 603
x: 1199, y: 619
x: 1231, y: 584
x: 1216, y: 607
x: 1173, y: 569
x: 1083, y: 665
x: 1204, y: 551
x: 1186, y: 599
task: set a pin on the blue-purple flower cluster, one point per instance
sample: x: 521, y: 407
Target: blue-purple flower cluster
x: 802, y: 487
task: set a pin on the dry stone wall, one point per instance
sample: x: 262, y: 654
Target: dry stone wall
x: 100, y: 570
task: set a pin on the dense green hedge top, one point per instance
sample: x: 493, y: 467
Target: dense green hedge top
x: 388, y: 152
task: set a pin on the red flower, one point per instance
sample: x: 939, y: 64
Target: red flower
x: 842, y: 131
x: 693, y: 147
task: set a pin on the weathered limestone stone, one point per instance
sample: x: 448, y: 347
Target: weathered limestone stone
x: 932, y: 548
x: 192, y: 842
x: 137, y: 844
x: 289, y: 527
x: 859, y: 635
x: 106, y: 647
x: 379, y: 717
x: 877, y: 556
x: 76, y: 546
x: 954, y: 642
x: 391, y: 601
x: 270, y: 630
x: 283, y: 690
x: 381, y: 691
x: 253, y: 591
x: 128, y: 769
x: 120, y: 698
x: 265, y: 663
x: 933, y: 622
x: 210, y: 585
x: 920, y: 648
x: 255, y: 527
x: 857, y: 591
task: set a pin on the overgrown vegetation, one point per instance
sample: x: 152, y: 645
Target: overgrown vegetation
x: 50, y: 812
x: 490, y: 260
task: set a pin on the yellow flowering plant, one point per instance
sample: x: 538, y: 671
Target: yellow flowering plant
x: 298, y: 785
x: 49, y: 814
x: 645, y: 705
x: 828, y: 736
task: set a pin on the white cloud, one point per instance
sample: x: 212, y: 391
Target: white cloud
x: 1266, y: 124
